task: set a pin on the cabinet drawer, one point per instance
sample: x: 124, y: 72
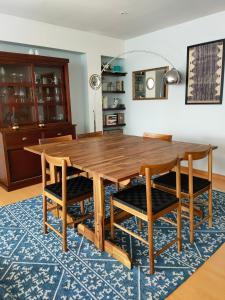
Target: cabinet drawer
x: 21, y: 139
x: 59, y: 132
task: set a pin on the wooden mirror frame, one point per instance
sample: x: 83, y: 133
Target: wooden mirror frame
x: 166, y: 68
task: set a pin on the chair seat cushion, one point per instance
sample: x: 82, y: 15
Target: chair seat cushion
x: 135, y: 197
x: 76, y: 187
x: 70, y: 171
x: 169, y: 180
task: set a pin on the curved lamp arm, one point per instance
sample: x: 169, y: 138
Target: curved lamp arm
x: 137, y: 51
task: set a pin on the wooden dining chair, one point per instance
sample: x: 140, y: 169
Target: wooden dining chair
x: 148, y: 135
x: 71, y: 171
x: 64, y: 193
x: 158, y: 136
x: 149, y: 204
x: 191, y: 186
x: 90, y: 134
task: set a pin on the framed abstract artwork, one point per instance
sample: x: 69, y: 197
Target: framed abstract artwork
x: 205, y: 73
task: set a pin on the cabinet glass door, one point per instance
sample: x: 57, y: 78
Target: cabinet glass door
x: 49, y: 92
x: 16, y: 96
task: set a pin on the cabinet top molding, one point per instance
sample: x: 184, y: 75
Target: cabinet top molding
x: 13, y: 57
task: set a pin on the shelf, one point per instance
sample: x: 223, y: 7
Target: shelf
x: 16, y: 84
x: 50, y: 103
x: 107, y: 109
x: 47, y: 85
x: 116, y: 74
x: 114, y: 92
x: 18, y: 103
x: 113, y: 126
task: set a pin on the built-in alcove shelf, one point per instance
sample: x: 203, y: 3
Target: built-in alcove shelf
x: 110, y: 109
x: 114, y: 92
x: 115, y: 74
x: 113, y: 126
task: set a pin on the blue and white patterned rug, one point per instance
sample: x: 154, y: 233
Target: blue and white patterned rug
x: 32, y: 265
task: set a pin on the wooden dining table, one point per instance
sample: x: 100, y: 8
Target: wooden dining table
x: 114, y: 158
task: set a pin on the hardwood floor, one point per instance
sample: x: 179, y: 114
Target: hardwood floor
x: 207, y: 283
x: 20, y: 194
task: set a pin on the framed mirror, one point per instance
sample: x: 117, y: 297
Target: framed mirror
x: 149, y: 84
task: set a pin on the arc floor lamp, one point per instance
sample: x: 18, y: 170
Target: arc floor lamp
x: 172, y: 76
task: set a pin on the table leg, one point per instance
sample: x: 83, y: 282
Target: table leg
x: 99, y: 209
x: 98, y: 236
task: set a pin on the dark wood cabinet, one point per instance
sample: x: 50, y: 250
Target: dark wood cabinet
x: 34, y: 104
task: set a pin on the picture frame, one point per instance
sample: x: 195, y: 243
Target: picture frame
x: 205, y: 73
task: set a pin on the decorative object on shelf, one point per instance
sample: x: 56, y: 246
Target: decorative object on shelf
x: 205, y: 72
x: 55, y: 80
x: 115, y: 102
x: 149, y: 84
x: 116, y: 69
x: 106, y: 67
x: 14, y: 77
x: 119, y: 85
x: 121, y: 106
x: 120, y: 118
x: 104, y: 102
x: 111, y: 120
x: 2, y: 74
x: 172, y: 76
x: 31, y: 51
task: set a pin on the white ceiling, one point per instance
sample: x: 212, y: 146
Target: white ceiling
x: 103, y: 16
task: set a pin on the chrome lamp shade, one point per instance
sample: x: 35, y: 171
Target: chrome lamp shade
x: 172, y: 77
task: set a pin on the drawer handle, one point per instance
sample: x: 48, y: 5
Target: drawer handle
x: 15, y: 127
x: 59, y: 133
x: 24, y: 138
x: 41, y: 125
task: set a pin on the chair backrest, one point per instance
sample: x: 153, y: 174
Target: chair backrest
x: 197, y: 155
x: 62, y: 162
x: 150, y: 170
x: 90, y: 134
x: 63, y: 138
x: 159, y: 136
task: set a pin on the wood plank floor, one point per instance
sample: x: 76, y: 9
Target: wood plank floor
x: 207, y: 283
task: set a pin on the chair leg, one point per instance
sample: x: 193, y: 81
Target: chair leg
x: 210, y: 206
x: 64, y: 228
x: 151, y: 247
x: 139, y: 224
x: 82, y: 208
x: 112, y: 229
x: 191, y: 218
x: 57, y: 211
x: 179, y: 224
x: 45, y: 213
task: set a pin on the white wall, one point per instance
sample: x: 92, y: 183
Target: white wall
x: 194, y: 123
x: 28, y: 32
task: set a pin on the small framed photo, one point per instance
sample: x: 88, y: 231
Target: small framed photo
x: 111, y: 120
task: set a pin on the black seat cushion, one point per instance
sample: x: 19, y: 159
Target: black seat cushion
x: 169, y: 180
x: 76, y: 187
x: 135, y: 197
x: 70, y: 171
